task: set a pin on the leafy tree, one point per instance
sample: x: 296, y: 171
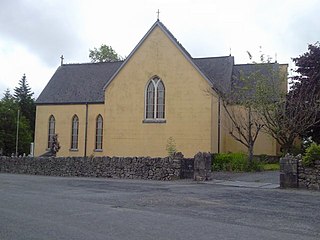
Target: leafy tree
x: 307, y: 83
x: 24, y: 97
x: 104, y: 54
x: 254, y: 87
x: 296, y: 114
x: 241, y: 105
x: 8, y: 127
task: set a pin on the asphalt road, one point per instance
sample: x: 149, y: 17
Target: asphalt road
x: 38, y: 207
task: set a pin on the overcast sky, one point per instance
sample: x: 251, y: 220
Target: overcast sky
x: 35, y: 33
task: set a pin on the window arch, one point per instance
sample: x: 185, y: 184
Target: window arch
x: 99, y: 132
x: 155, y: 99
x: 75, y: 132
x: 51, y: 130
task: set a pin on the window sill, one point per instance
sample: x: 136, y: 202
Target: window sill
x: 154, y: 121
x: 98, y: 150
x: 73, y: 150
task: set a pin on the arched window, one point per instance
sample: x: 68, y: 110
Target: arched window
x: 51, y: 130
x: 75, y: 132
x: 160, y: 100
x: 150, y: 100
x: 99, y: 132
x: 155, y: 99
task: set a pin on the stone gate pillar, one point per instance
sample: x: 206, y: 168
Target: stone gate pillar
x: 288, y: 172
x: 202, y: 166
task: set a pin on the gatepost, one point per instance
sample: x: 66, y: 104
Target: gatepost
x: 202, y: 166
x: 288, y: 172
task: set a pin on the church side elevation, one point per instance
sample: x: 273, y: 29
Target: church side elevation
x: 133, y: 107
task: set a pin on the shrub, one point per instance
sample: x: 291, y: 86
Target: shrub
x: 312, y: 154
x: 271, y: 166
x: 237, y: 162
x: 171, y: 146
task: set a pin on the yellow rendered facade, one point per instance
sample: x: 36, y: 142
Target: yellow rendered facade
x: 191, y: 110
x: 187, y: 104
x: 264, y: 143
x: 63, y: 115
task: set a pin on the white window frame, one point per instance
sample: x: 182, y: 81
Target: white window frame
x: 155, y: 81
x: 99, y: 138
x: 51, y: 131
x: 75, y: 141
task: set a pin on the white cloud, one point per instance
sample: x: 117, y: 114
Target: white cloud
x: 34, y: 33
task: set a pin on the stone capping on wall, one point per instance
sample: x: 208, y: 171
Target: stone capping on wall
x: 293, y: 174
x: 168, y: 168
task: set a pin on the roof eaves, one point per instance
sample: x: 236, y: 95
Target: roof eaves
x: 69, y: 103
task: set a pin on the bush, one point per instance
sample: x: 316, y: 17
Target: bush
x: 312, y: 154
x: 271, y: 166
x: 171, y: 146
x: 237, y: 162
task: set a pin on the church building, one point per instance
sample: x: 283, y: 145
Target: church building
x: 134, y: 107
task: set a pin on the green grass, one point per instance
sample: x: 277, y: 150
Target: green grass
x: 271, y: 166
x: 234, y: 162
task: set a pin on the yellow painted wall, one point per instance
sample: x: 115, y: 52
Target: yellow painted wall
x: 188, y: 106
x: 264, y: 144
x: 63, y: 115
x: 191, y: 111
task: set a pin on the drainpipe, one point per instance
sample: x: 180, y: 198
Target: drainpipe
x: 86, y: 132
x: 219, y: 122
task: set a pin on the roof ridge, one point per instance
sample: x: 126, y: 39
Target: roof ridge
x: 174, y: 38
x: 213, y: 57
x: 255, y: 64
x: 91, y: 63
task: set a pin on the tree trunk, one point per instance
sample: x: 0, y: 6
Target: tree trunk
x: 250, y: 154
x: 250, y: 138
x: 287, y: 147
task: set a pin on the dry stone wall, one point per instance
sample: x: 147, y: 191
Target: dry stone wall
x: 309, y: 177
x: 294, y: 174
x: 169, y: 168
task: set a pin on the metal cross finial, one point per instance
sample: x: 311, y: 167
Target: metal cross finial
x: 61, y: 60
x: 158, y: 13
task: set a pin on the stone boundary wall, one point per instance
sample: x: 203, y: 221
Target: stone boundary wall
x: 110, y: 167
x: 168, y: 168
x: 294, y: 175
x: 309, y: 177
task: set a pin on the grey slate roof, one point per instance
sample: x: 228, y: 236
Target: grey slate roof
x: 245, y: 70
x: 218, y: 70
x: 84, y: 83
x: 78, y: 83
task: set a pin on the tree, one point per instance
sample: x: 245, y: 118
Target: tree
x: 104, y: 54
x: 23, y: 96
x: 240, y: 105
x: 8, y: 127
x: 296, y: 114
x: 307, y: 79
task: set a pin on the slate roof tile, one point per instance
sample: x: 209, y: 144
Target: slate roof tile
x: 78, y: 83
x: 84, y: 83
